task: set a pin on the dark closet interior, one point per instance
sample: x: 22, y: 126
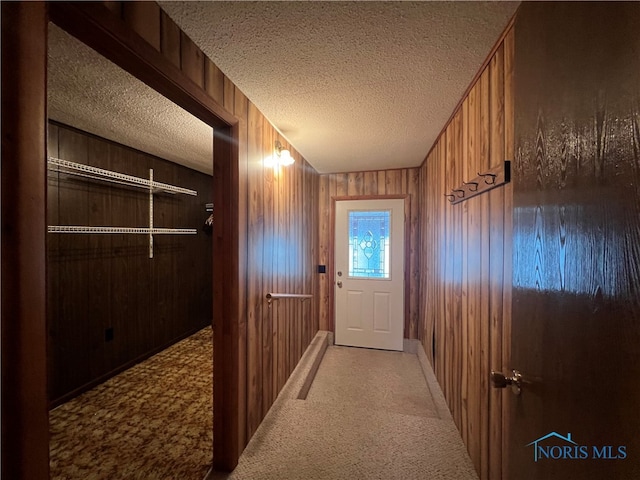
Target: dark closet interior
x: 109, y: 304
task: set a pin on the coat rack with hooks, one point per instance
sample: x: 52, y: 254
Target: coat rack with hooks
x: 484, y: 182
x: 100, y: 174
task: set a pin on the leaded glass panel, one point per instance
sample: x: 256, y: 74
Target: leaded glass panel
x: 369, y: 243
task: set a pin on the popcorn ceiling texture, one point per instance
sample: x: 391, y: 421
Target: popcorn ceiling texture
x: 87, y: 91
x: 352, y: 85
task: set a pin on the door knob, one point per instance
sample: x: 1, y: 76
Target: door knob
x: 339, y: 284
x: 499, y: 380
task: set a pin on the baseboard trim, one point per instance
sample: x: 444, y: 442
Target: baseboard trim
x: 434, y: 387
x: 297, y: 386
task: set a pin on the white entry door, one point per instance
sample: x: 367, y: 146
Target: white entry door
x: 369, y: 269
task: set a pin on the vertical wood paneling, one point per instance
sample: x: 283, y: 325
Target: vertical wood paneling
x: 214, y: 81
x: 89, y: 271
x: 485, y: 288
x: 496, y: 255
x: 388, y: 182
x: 463, y: 252
x: 192, y: 61
x: 413, y: 263
x: 465, y: 283
x: 99, y: 296
x: 473, y: 266
x: 144, y: 19
x: 324, y: 199
x: 72, y: 368
x: 53, y: 256
x: 239, y: 108
x: 283, y: 257
x: 269, y: 329
x: 170, y: 39
x: 228, y: 94
x: 255, y: 291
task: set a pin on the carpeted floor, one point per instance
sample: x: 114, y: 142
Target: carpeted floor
x: 369, y: 415
x: 151, y: 422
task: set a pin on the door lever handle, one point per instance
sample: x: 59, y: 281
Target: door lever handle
x: 499, y: 380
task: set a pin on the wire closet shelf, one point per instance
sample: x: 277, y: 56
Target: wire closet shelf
x: 109, y: 176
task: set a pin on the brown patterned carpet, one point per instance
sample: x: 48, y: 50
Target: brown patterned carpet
x: 151, y: 422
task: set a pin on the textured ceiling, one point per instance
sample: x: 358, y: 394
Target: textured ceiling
x: 88, y: 92
x: 352, y: 85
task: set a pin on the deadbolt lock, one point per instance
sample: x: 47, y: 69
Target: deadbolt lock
x: 499, y: 380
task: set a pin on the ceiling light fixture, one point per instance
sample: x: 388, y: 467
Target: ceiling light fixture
x: 284, y: 157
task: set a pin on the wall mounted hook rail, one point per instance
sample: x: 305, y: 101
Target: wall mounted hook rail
x: 484, y: 182
x: 489, y: 178
x: 473, y: 186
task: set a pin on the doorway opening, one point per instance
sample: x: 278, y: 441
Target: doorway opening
x: 119, y: 295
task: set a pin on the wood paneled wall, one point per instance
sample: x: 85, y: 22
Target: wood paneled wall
x: 281, y: 228
x: 384, y: 182
x: 100, y: 282
x: 465, y: 252
x: 282, y: 236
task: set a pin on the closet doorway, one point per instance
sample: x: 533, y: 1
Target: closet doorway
x: 129, y: 291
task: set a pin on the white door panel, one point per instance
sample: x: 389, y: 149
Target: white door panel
x: 369, y: 266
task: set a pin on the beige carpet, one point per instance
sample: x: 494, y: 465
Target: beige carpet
x: 369, y: 414
x: 151, y: 422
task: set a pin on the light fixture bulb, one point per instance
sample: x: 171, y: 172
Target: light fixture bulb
x: 286, y: 158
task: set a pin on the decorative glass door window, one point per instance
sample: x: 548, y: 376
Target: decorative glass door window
x: 369, y: 243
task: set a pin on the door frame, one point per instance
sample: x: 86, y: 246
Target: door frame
x: 25, y: 439
x: 407, y: 252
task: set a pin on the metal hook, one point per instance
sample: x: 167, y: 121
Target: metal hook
x: 452, y: 197
x: 471, y: 183
x: 462, y: 193
x: 492, y: 175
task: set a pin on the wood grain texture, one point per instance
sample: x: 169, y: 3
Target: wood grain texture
x: 170, y: 39
x: 496, y: 256
x: 89, y: 272
x: 462, y: 254
x: 576, y: 230
x: 509, y: 152
x: 369, y: 184
x: 255, y: 294
x: 100, y: 29
x: 25, y: 449
x: 192, y: 60
x: 214, y: 81
x: 144, y: 19
x: 290, y: 247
